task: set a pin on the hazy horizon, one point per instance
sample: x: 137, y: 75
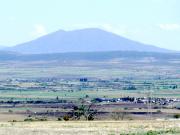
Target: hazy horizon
x: 154, y: 22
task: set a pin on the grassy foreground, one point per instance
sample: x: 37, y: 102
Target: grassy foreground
x: 91, y: 128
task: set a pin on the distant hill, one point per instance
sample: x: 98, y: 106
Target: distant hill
x: 84, y: 40
x: 7, y: 55
x: 88, y: 56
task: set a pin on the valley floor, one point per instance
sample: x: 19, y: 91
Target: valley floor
x: 91, y: 128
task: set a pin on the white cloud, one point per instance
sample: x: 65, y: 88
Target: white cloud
x: 39, y: 30
x: 169, y: 26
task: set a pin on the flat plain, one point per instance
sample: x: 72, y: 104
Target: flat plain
x: 91, y: 128
x: 129, y: 96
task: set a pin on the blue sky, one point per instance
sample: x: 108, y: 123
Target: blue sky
x: 154, y: 22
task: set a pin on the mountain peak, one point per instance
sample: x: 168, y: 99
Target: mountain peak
x: 82, y: 40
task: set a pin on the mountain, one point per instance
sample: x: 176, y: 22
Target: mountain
x: 2, y: 47
x: 83, y: 40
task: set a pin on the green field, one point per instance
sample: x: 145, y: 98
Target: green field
x: 22, y: 83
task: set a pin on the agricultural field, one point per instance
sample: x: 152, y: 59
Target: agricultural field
x: 118, y: 89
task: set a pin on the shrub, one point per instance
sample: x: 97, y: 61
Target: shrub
x: 177, y: 116
x: 159, y: 111
x: 28, y: 119
x: 90, y: 117
x: 59, y: 119
x: 42, y: 119
x: 10, y: 111
x: 12, y: 121
x: 87, y: 96
x: 66, y: 118
x: 152, y: 133
x: 36, y: 119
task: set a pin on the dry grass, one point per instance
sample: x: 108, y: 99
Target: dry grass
x: 85, y: 128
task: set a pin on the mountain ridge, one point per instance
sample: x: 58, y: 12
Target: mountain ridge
x: 87, y: 56
x: 82, y: 40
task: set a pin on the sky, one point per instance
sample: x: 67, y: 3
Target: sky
x: 155, y: 22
